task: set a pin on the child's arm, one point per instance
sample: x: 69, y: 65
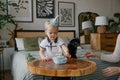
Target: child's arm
x: 66, y: 51
x: 43, y: 57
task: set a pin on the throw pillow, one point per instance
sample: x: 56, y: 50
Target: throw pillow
x: 31, y: 44
x: 19, y: 43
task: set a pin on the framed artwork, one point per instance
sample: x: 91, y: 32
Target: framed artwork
x: 66, y: 11
x: 21, y: 9
x: 45, y: 8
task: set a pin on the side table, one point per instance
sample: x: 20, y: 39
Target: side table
x: 1, y: 64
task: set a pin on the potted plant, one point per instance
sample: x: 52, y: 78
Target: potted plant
x: 5, y: 18
x: 114, y: 24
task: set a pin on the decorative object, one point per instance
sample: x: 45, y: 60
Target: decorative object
x: 87, y: 27
x: 85, y: 16
x: 4, y: 43
x: 54, y: 21
x: 22, y: 9
x: 45, y: 8
x: 101, y: 22
x: 5, y: 18
x: 66, y: 11
x: 114, y: 24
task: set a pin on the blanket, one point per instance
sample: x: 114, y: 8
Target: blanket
x: 20, y: 71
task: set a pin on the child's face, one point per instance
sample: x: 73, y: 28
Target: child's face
x: 51, y: 32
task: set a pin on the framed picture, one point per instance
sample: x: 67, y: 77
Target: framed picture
x: 45, y: 8
x: 66, y: 11
x: 21, y: 9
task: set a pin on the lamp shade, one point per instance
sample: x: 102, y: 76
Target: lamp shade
x: 86, y: 25
x: 101, y: 20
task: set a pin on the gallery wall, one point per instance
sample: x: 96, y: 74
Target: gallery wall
x: 102, y: 7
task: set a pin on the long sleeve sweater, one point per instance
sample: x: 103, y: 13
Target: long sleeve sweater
x: 115, y: 56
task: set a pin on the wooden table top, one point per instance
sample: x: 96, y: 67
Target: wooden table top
x: 73, y: 67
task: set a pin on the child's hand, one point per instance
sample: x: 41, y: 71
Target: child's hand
x: 45, y: 59
x: 67, y: 55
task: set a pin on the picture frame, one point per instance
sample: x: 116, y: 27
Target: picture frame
x: 66, y: 12
x: 21, y: 9
x: 45, y: 8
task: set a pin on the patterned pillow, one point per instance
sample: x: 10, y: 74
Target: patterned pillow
x: 31, y: 44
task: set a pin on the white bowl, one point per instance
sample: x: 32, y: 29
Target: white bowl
x: 60, y: 59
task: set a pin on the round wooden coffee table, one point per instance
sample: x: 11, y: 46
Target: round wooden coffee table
x: 73, y: 67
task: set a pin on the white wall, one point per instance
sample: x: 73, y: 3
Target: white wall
x: 102, y: 7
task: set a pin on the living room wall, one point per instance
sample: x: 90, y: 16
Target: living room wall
x: 102, y: 7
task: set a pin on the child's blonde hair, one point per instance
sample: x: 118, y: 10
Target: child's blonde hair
x: 48, y: 24
x: 52, y: 23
